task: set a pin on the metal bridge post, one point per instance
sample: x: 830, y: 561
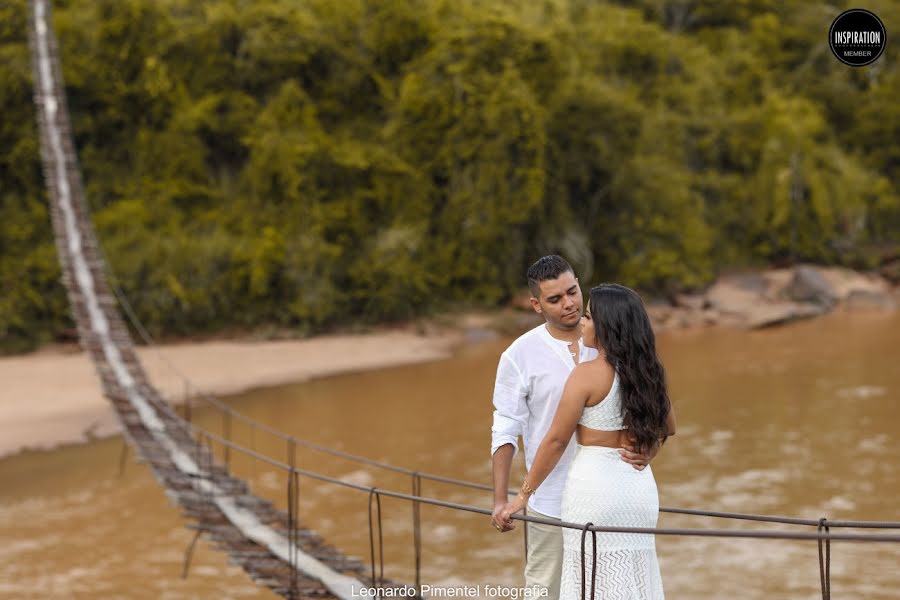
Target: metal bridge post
x: 122, y: 456
x: 187, y: 401
x: 825, y: 561
x: 293, y: 484
x: 417, y: 530
x: 226, y: 433
x: 373, y: 494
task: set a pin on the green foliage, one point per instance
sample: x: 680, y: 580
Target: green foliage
x: 311, y: 164
x: 33, y: 305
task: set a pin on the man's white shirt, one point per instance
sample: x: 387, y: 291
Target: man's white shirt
x: 530, y: 380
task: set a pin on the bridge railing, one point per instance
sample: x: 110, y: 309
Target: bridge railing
x: 823, y: 535
x: 229, y: 414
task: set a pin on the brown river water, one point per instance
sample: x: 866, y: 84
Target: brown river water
x: 797, y: 421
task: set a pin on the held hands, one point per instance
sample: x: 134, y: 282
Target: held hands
x: 499, y: 523
x: 501, y: 519
x: 639, y: 461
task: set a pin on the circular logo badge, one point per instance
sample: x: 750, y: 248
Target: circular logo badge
x: 857, y: 37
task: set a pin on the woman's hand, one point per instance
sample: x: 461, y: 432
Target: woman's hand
x: 513, y: 506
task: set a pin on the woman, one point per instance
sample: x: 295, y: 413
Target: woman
x: 617, y: 400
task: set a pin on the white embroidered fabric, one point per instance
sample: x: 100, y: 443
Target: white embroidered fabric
x: 604, y: 490
x: 606, y: 415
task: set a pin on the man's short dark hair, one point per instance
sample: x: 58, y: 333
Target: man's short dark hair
x: 546, y: 268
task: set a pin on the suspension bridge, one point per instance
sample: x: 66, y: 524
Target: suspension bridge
x: 271, y: 545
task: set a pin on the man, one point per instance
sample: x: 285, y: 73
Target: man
x: 530, y: 379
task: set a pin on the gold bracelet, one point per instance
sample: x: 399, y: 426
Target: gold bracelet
x: 527, y: 490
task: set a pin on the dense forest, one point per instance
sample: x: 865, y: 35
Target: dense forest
x: 306, y: 164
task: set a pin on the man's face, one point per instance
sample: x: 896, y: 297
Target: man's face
x: 560, y: 301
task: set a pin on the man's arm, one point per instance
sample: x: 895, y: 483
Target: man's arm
x: 502, y: 461
x: 510, y: 419
x: 554, y: 444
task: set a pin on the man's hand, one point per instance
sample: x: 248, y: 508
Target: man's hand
x: 501, y: 462
x: 504, y: 520
x: 636, y: 460
x: 498, y: 521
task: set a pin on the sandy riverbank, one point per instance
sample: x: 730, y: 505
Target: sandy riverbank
x: 53, y: 396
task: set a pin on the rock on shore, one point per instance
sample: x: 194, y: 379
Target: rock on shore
x: 764, y: 299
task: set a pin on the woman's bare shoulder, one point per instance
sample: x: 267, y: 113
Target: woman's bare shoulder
x: 598, y: 376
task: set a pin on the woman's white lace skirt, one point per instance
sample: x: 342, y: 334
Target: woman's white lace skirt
x: 605, y: 490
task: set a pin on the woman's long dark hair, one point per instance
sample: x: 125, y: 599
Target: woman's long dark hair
x: 623, y: 332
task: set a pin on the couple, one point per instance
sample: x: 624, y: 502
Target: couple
x: 596, y: 376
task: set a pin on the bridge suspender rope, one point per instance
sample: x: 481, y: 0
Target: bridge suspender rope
x: 825, y: 561
x: 186, y: 467
x: 587, y: 527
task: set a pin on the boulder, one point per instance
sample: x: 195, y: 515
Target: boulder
x: 844, y: 281
x: 515, y: 322
x: 750, y: 282
x: 779, y: 280
x: 891, y: 271
x: 480, y: 334
x: 521, y: 300
x: 689, y: 319
x: 778, y: 313
x: 726, y: 320
x: 710, y: 316
x: 691, y: 301
x: 870, y: 300
x: 728, y: 296
x: 809, y: 285
x: 659, y: 313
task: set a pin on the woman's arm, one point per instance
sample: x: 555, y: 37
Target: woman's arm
x: 571, y: 405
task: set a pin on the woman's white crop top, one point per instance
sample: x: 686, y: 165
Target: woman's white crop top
x: 607, y: 414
